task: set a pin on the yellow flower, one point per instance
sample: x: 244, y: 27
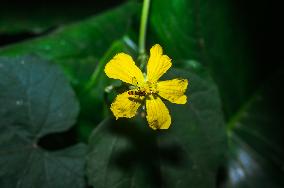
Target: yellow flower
x: 147, y: 89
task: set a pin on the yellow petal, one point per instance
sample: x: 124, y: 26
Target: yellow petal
x: 158, y: 63
x: 158, y: 115
x: 173, y: 90
x: 123, y: 67
x: 126, y: 105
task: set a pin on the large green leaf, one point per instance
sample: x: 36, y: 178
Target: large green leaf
x: 37, y: 16
x: 127, y: 153
x: 79, y: 46
x: 205, y: 31
x: 256, y: 140
x: 36, y: 100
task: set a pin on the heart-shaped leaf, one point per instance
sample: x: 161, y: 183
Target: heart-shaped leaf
x: 36, y: 100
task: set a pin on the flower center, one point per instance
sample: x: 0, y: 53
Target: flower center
x: 148, y: 88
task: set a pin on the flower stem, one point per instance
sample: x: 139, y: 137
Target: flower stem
x: 100, y: 67
x: 142, y: 32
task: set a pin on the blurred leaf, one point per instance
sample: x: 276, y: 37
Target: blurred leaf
x: 77, y: 47
x: 36, y: 100
x: 206, y: 31
x: 256, y: 140
x: 37, y: 16
x: 127, y: 153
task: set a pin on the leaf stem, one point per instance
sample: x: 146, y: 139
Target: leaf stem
x: 143, y: 30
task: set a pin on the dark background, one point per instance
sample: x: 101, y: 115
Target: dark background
x: 261, y: 20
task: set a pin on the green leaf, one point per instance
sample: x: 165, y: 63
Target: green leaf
x: 256, y: 140
x: 205, y: 31
x: 127, y: 153
x: 36, y: 100
x: 38, y: 16
x: 79, y: 46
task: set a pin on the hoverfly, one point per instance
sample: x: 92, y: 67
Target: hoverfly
x: 138, y: 91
